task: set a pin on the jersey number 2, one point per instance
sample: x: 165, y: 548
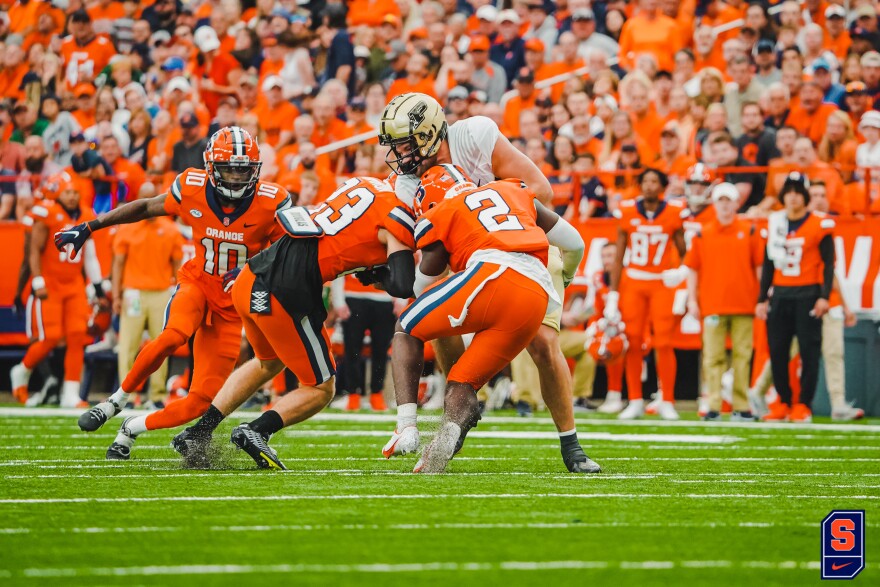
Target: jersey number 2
x: 217, y: 257
x: 499, y: 210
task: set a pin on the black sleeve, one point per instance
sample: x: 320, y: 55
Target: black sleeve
x: 401, y: 274
x: 766, y: 278
x: 826, y: 249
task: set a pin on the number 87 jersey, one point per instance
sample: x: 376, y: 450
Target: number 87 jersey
x: 650, y: 246
x: 224, y: 237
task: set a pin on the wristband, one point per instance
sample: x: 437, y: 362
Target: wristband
x: 611, y: 299
x: 38, y: 283
x: 93, y: 225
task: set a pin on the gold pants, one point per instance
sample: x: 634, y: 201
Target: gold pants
x: 524, y: 373
x: 142, y: 310
x: 715, y: 331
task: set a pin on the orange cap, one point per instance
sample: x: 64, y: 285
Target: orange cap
x: 480, y: 43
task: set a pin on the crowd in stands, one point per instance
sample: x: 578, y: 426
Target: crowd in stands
x: 125, y: 93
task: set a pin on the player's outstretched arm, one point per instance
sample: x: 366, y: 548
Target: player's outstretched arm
x: 508, y: 161
x: 563, y: 235
x: 398, y: 274
x: 74, y: 238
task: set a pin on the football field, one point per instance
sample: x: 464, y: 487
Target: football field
x: 682, y: 503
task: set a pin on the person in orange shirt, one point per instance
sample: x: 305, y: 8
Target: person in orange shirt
x: 417, y: 79
x: 646, y: 123
x: 523, y: 100
x: 651, y: 230
x: 672, y: 159
x: 839, y: 145
x: 814, y: 168
x: 103, y: 13
x: 217, y: 72
x: 569, y: 61
x: 276, y: 114
x: 131, y: 175
x: 146, y: 257
x: 24, y: 15
x: 837, y: 39
x: 357, y: 119
x: 649, y: 31
x: 328, y: 128
x: 309, y: 161
x: 48, y: 25
x: 811, y: 116
x: 371, y: 13
x: 707, y: 51
x: 799, y: 266
x: 84, y: 54
x: 722, y: 295
x: 13, y: 72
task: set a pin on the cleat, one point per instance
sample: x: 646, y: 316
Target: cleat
x: 523, y: 409
x: 377, y: 402
x: 583, y: 406
x: 402, y: 443
x: 120, y: 450
x: 777, y: 412
x: 257, y: 447
x: 703, y: 406
x: 711, y: 416
x: 742, y: 417
x: 576, y: 461
x: 613, y: 404
x: 654, y: 405
x: 758, y: 403
x: 98, y: 416
x: 847, y: 413
x: 801, y: 413
x: 354, y: 402
x: 70, y: 394
x: 635, y: 410
x: 666, y: 411
x: 437, y: 455
x: 193, y: 447
x: 19, y: 376
x: 339, y: 402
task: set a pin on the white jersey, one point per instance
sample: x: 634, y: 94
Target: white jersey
x: 471, y: 143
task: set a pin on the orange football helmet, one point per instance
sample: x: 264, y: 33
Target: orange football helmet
x: 698, y: 184
x: 232, y: 160
x: 438, y: 183
x: 607, y: 342
x: 52, y: 187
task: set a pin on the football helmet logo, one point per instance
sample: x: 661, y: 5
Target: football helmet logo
x: 55, y: 184
x: 413, y: 125
x: 607, y: 342
x: 438, y: 183
x: 698, y: 185
x: 232, y: 160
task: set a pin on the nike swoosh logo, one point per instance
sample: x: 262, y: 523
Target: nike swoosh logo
x: 838, y: 567
x: 246, y: 225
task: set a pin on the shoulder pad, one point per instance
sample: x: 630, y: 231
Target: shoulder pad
x: 269, y: 190
x: 40, y: 210
x: 686, y: 213
x: 191, y: 179
x: 677, y: 204
x: 826, y: 222
x: 617, y: 214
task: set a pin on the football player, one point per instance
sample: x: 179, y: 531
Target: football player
x: 651, y: 230
x: 361, y: 227
x: 495, y: 240
x: 232, y: 216
x: 414, y: 127
x: 57, y: 308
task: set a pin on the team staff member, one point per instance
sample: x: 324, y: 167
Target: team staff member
x: 722, y: 294
x: 146, y: 257
x: 799, y: 266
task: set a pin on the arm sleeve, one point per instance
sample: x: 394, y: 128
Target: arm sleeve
x: 401, y: 275
x: 767, y: 271
x: 826, y: 249
x: 91, y: 263
x: 564, y: 236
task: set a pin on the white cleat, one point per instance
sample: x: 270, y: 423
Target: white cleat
x: 613, y: 403
x: 402, y: 443
x: 666, y: 411
x: 437, y: 455
x: 633, y: 411
x: 70, y: 394
x: 847, y: 413
x: 758, y: 404
x: 19, y: 377
x: 654, y: 405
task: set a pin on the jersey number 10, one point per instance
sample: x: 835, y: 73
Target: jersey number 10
x: 217, y: 256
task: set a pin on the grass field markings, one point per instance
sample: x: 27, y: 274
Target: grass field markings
x: 205, y: 498
x: 384, y: 568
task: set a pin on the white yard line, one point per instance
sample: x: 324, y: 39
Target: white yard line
x: 382, y: 568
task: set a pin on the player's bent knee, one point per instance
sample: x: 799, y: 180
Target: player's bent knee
x: 544, y: 346
x: 272, y: 366
x: 329, y: 389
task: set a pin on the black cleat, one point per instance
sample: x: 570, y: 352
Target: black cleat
x: 193, y: 447
x: 712, y: 416
x: 578, y: 462
x: 257, y: 447
x: 118, y: 452
x: 98, y: 416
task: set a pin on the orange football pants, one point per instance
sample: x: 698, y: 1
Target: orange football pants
x: 642, y: 301
x: 63, y: 315
x: 505, y: 314
x: 303, y: 345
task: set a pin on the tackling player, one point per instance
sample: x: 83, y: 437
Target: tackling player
x: 58, y: 308
x: 232, y: 215
x: 361, y: 227
x: 414, y: 127
x: 495, y: 240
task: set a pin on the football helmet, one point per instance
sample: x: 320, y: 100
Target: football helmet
x: 52, y: 187
x: 698, y: 185
x: 413, y: 125
x: 438, y: 183
x: 607, y: 342
x: 232, y: 160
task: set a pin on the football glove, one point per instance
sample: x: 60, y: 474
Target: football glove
x: 612, y: 313
x: 372, y: 275
x: 229, y: 279
x: 73, y: 239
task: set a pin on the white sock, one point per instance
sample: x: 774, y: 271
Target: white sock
x: 406, y: 415
x: 137, y: 425
x: 120, y: 398
x: 25, y: 369
x: 568, y: 433
x: 124, y: 440
x: 637, y: 402
x: 613, y: 396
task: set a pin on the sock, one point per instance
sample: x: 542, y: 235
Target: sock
x: 209, y: 421
x: 137, y: 425
x: 569, y: 439
x: 124, y: 440
x: 268, y: 423
x: 613, y: 396
x: 120, y: 398
x: 406, y: 415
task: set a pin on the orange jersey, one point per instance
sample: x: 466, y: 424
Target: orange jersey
x: 59, y: 270
x: 500, y: 215
x: 351, y: 219
x: 224, y: 239
x: 803, y: 263
x: 694, y: 222
x: 649, y: 234
x: 84, y: 63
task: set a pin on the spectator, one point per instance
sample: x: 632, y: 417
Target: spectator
x: 27, y: 122
x: 778, y: 101
x: 38, y: 167
x: 340, y: 50
x: 61, y: 124
x: 457, y: 104
x: 672, y: 158
x: 140, y: 132
x: 275, y: 113
x: 646, y: 123
x: 523, y: 100
x: 417, y: 79
x: 488, y: 76
x: 810, y: 118
x: 509, y: 49
x: 722, y: 295
x: 838, y: 146
x: 649, y: 31
x: 161, y: 15
x: 834, y: 92
x: 146, y: 257
x: 743, y: 89
x: 562, y: 158
x: 814, y: 169
x: 725, y: 154
x: 84, y: 53
x: 13, y: 72
x: 190, y: 149
x: 868, y: 153
x: 217, y: 71
x: 130, y: 176
x: 756, y: 144
x: 297, y: 72
x: 765, y: 60
x: 593, y: 200
x: 583, y: 26
x: 541, y: 26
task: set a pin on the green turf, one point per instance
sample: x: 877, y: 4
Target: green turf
x: 682, y: 512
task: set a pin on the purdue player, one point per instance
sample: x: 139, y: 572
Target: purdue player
x: 414, y: 127
x: 232, y: 215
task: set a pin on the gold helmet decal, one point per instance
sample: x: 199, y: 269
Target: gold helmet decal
x: 414, y: 126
